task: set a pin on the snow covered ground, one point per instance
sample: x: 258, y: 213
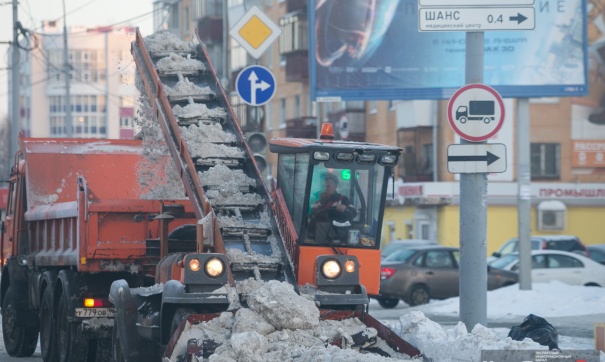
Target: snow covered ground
x: 552, y: 300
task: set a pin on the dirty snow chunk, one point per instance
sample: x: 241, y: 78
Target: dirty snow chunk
x: 217, y: 329
x: 211, y: 150
x: 185, y: 88
x: 237, y: 256
x: 165, y: 42
x: 248, y: 344
x: 198, y: 136
x: 199, y: 110
x: 220, y: 174
x: 434, y: 342
x: 233, y: 198
x: 175, y: 62
x: 279, y: 304
x: 247, y: 320
x: 248, y: 285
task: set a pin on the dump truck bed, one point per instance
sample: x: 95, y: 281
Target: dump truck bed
x: 90, y: 202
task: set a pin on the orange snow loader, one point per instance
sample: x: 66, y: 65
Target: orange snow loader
x: 245, y: 230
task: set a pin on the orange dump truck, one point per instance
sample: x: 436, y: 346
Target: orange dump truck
x: 80, y: 215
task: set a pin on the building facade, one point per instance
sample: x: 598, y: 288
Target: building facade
x: 102, y: 91
x: 567, y: 135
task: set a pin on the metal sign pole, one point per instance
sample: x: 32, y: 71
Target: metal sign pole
x: 524, y: 193
x: 473, y: 213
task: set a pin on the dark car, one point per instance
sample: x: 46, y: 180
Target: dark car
x: 569, y: 243
x: 597, y: 253
x: 404, y: 243
x: 418, y: 274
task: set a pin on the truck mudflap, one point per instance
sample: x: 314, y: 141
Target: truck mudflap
x: 363, y: 342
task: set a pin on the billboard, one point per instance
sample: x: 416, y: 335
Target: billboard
x: 372, y: 50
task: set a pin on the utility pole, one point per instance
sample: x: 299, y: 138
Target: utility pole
x: 67, y: 73
x: 16, y: 81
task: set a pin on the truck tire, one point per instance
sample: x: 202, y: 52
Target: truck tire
x: 388, y: 302
x: 48, y: 332
x: 19, y: 341
x: 71, y: 346
x: 463, y: 120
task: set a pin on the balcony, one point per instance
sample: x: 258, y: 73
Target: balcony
x: 302, y: 127
x: 295, y: 5
x: 294, y: 45
x: 210, y: 29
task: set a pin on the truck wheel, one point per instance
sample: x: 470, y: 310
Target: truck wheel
x: 463, y: 120
x: 47, y: 327
x: 117, y: 353
x: 19, y: 341
x: 487, y: 120
x: 70, y: 343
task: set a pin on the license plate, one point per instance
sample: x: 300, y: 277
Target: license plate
x: 95, y: 312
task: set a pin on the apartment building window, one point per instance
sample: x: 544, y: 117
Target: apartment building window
x: 427, y: 159
x: 88, y: 117
x: 297, y: 106
x: 239, y: 57
x: 282, y: 112
x: 545, y: 160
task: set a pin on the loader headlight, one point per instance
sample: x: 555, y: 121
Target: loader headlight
x: 194, y: 264
x: 350, y: 266
x: 330, y: 269
x: 214, y: 267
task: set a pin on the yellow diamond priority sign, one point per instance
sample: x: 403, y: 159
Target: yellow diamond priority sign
x: 255, y: 32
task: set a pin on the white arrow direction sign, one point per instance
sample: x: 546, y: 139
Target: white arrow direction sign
x: 476, y: 158
x: 476, y: 19
x: 254, y: 86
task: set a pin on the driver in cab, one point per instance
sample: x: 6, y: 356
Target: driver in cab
x: 331, y: 206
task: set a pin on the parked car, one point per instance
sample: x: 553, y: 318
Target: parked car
x: 404, y: 243
x: 541, y: 242
x: 597, y: 253
x: 418, y: 274
x: 548, y: 265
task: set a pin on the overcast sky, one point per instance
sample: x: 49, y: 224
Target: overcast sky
x: 91, y: 13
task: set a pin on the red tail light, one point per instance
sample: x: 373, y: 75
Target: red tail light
x: 96, y: 303
x: 386, y: 273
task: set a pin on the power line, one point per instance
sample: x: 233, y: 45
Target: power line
x: 69, y: 13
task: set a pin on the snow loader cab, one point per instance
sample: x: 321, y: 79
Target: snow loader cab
x: 334, y: 192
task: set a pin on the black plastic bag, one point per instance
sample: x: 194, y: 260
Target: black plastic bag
x: 538, y: 329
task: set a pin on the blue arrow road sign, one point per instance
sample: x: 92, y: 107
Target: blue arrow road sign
x: 255, y: 85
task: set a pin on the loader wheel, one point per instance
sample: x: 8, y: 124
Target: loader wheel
x: 19, y: 341
x: 419, y: 295
x: 388, y: 303
x: 48, y: 332
x: 70, y: 344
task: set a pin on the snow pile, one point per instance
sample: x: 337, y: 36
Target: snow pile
x: 197, y: 138
x: 279, y: 326
x: 185, y: 88
x: 198, y: 110
x: 233, y: 198
x: 211, y: 150
x: 164, y: 42
x: 175, y: 63
x: 222, y: 176
x: 457, y: 344
x: 579, y: 300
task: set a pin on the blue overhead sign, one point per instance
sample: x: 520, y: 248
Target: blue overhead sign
x: 364, y: 50
x: 255, y: 85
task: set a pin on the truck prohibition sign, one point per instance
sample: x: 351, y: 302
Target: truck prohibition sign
x: 476, y: 111
x: 477, y: 103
